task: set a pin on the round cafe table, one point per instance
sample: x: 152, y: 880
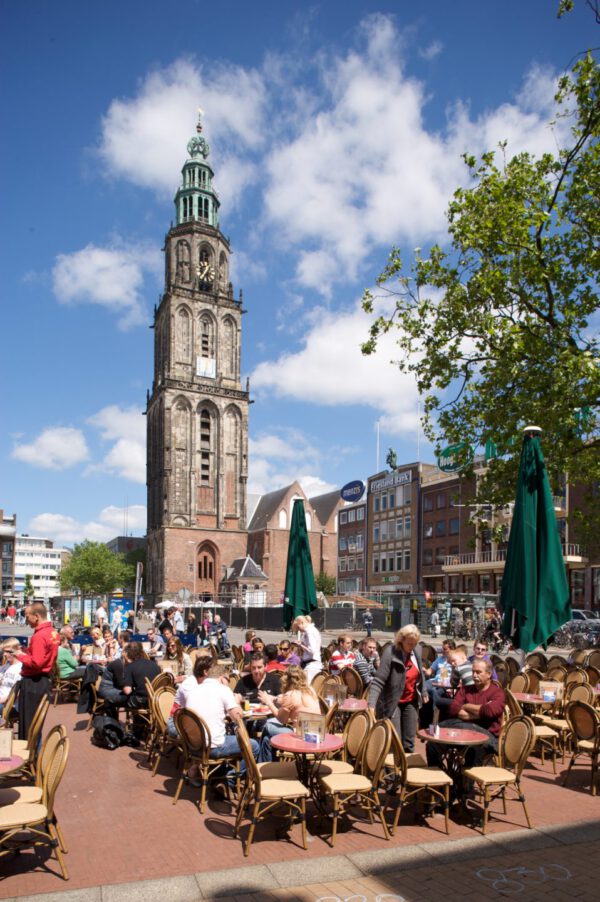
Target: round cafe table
x: 9, y: 765
x: 350, y: 705
x: 530, y: 698
x: 307, y: 755
x: 453, y: 744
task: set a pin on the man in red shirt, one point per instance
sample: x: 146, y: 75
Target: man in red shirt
x: 37, y: 660
x: 478, y: 707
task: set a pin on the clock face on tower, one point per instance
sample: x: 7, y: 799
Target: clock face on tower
x: 206, y: 272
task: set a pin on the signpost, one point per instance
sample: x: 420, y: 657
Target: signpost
x: 456, y: 457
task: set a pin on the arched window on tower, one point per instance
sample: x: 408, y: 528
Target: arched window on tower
x: 206, y: 443
x: 183, y: 261
x: 283, y: 519
x: 228, y: 348
x: 232, y: 438
x: 181, y: 457
x: 205, y: 362
x: 183, y: 333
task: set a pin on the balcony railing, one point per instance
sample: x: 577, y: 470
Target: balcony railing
x: 499, y: 555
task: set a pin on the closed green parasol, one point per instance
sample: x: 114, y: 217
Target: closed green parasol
x: 535, y: 593
x: 300, y: 592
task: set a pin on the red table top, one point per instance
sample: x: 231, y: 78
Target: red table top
x: 528, y: 697
x: 289, y: 742
x: 9, y: 764
x: 449, y: 736
x: 354, y: 704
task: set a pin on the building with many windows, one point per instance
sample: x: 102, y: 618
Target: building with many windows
x: 352, y: 548
x: 8, y: 532
x: 38, y: 558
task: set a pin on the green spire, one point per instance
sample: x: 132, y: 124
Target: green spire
x: 196, y: 200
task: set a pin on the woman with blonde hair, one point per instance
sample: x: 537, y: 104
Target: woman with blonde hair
x: 309, y: 639
x: 396, y: 690
x: 97, y: 647
x: 296, y: 698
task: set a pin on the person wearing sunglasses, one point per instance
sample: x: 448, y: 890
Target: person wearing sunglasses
x: 287, y: 654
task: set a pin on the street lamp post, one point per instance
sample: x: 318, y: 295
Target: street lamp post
x: 195, y: 568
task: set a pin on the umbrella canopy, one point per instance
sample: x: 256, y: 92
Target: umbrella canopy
x: 300, y: 593
x: 535, y: 592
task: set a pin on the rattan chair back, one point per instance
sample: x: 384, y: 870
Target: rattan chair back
x: 318, y: 680
x: 581, y: 692
x: 329, y: 686
x: 519, y: 683
x: 534, y: 676
x: 577, y: 675
x: 36, y: 725
x: 353, y: 680
x: 502, y: 673
x: 512, y: 704
x: 163, y: 702
x: 556, y: 674
x: 516, y: 742
x: 330, y: 717
x: 593, y: 674
x: 375, y: 751
x: 252, y: 771
x: 9, y: 712
x: 536, y: 660
x: 54, y: 774
x: 513, y: 665
x: 583, y: 720
x: 163, y: 679
x: 194, y: 734
x: 593, y: 659
x: 557, y: 661
x: 355, y: 733
x: 578, y: 656
x: 428, y: 654
x: 49, y: 745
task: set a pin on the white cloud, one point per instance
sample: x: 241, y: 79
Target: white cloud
x: 111, y: 277
x: 364, y: 170
x: 431, y: 51
x: 109, y: 523
x: 277, y: 459
x: 329, y: 369
x: 126, y: 427
x: 56, y: 448
x: 144, y: 137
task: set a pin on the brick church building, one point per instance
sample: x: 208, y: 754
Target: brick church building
x: 197, y: 421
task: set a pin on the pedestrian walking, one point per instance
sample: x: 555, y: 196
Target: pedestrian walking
x: 368, y: 622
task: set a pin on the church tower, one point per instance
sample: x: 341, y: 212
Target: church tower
x: 197, y: 412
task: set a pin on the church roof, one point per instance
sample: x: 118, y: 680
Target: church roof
x: 268, y: 505
x: 325, y: 505
x: 245, y: 568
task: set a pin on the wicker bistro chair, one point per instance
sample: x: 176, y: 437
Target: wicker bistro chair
x: 593, y: 674
x: 593, y: 659
x: 519, y: 683
x: 162, y: 680
x: 546, y: 737
x: 160, y: 743
x: 10, y: 715
x: 318, y: 680
x: 584, y: 721
x: 64, y: 686
x: 514, y: 747
x: 97, y: 704
x: 533, y: 677
x: 267, y: 790
x: 362, y: 787
x: 536, y: 660
x: 355, y: 734
x: 513, y: 665
x: 556, y: 661
x: 196, y: 743
x: 576, y: 675
x: 28, y: 748
x: 353, y: 680
x: 578, y: 656
x: 34, y: 793
x: 410, y: 780
x: 26, y: 824
x: 556, y: 674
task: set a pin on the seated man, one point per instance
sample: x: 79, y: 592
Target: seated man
x: 184, y: 697
x: 157, y: 643
x: 213, y: 701
x: 440, y: 669
x: 460, y: 675
x: 479, y: 707
x: 249, y: 683
x: 366, y: 659
x: 273, y: 663
x: 112, y: 682
x: 343, y: 656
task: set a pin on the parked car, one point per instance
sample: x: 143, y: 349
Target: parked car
x: 582, y: 614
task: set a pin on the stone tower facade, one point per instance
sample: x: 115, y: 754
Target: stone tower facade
x: 197, y: 412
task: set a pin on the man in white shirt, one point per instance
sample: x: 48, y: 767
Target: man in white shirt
x: 101, y: 614
x: 178, y: 624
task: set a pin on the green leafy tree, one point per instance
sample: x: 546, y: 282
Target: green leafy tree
x: 325, y: 584
x: 501, y: 328
x: 28, y: 590
x: 94, y: 570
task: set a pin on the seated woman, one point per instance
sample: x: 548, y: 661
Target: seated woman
x: 110, y: 643
x: 10, y: 671
x: 175, y: 653
x: 96, y: 649
x: 67, y: 665
x: 296, y: 698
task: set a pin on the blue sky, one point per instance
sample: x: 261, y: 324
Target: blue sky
x: 336, y: 131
